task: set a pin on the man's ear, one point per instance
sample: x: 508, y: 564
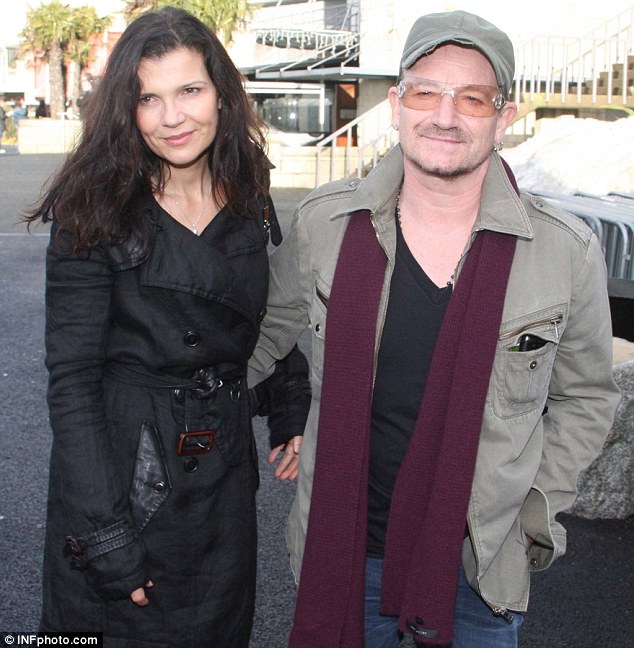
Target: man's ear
x: 392, y: 95
x: 505, y: 118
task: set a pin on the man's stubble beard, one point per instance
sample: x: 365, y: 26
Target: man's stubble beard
x: 429, y: 168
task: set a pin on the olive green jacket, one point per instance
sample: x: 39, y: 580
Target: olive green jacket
x: 528, y: 459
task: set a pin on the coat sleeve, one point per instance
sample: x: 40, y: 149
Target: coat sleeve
x: 84, y: 487
x: 581, y: 403
x: 284, y: 397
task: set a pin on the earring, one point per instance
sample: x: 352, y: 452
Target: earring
x: 219, y: 103
x: 498, y: 147
x: 395, y: 127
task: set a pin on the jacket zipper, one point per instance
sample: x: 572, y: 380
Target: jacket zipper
x: 382, y: 314
x: 321, y: 296
x: 496, y: 610
x: 557, y: 319
x: 504, y: 613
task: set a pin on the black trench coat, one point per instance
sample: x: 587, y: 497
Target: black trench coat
x: 140, y: 350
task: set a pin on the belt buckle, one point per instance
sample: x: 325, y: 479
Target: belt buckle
x: 195, y: 443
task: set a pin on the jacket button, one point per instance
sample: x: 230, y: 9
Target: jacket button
x: 317, y: 327
x: 159, y: 487
x: 534, y: 562
x: 179, y: 394
x: 190, y: 465
x: 191, y: 339
x: 533, y: 364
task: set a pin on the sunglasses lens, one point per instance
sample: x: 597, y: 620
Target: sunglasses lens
x: 474, y: 101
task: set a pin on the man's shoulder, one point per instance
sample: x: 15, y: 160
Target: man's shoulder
x: 333, y: 195
x: 547, y: 216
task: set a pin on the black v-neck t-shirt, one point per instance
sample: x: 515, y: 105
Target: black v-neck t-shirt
x: 415, y: 312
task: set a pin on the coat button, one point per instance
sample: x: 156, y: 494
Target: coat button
x: 533, y: 364
x: 534, y: 562
x: 191, y: 339
x: 190, y: 465
x: 159, y: 487
x: 317, y: 328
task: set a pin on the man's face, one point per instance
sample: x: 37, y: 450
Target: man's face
x: 443, y: 142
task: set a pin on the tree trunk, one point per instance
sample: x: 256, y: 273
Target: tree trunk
x: 55, y: 61
x: 76, y: 84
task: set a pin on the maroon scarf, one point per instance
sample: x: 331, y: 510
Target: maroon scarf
x: 431, y: 494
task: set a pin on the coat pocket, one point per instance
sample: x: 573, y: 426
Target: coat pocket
x: 522, y: 377
x: 318, y: 313
x: 151, y: 483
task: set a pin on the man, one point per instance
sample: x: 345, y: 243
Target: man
x: 20, y: 111
x: 461, y: 367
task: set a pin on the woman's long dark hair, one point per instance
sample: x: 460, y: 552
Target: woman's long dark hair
x: 96, y: 195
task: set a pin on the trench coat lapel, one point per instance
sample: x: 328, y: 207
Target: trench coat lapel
x: 203, y: 265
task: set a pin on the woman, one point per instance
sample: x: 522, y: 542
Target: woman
x: 157, y: 279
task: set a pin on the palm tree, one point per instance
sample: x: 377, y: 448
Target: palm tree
x: 55, y: 32
x: 222, y: 16
x: 135, y: 8
x: 47, y: 28
x: 85, y: 25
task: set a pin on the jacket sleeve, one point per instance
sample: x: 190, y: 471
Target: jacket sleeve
x: 278, y: 368
x: 581, y: 403
x: 100, y: 536
x: 287, y: 309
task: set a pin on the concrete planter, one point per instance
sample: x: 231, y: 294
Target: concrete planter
x: 48, y: 135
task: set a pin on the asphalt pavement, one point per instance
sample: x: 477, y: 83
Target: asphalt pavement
x: 584, y: 600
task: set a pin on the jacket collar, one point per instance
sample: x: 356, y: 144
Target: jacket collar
x: 501, y: 209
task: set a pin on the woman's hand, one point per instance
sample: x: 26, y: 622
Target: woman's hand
x: 288, y: 467
x: 138, y: 597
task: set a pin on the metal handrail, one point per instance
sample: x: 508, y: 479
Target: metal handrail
x: 612, y: 223
x: 318, y: 57
x: 380, y: 137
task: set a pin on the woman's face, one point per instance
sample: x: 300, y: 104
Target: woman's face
x: 177, y: 113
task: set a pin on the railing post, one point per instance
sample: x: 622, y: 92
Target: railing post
x: 624, y: 88
x: 333, y: 150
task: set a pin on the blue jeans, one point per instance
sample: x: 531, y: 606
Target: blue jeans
x: 475, y: 625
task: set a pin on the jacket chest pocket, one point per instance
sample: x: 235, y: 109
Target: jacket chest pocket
x: 524, y: 362
x: 318, y: 314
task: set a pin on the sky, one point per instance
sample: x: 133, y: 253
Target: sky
x: 574, y: 18
x: 13, y: 20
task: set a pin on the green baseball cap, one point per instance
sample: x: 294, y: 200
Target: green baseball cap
x: 462, y: 28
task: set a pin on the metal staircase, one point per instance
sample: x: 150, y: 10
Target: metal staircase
x: 318, y: 37
x: 374, y: 140
x: 586, y: 76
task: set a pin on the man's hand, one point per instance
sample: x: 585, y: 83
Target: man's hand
x: 288, y: 466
